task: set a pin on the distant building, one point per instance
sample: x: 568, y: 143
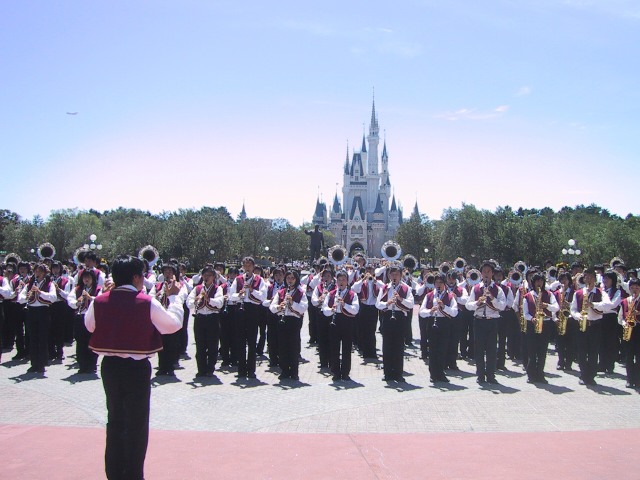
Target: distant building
x: 368, y: 215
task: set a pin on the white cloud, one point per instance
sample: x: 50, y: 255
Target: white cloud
x: 524, y: 91
x: 472, y: 114
x: 401, y: 49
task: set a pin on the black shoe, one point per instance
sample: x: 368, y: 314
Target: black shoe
x: 543, y: 380
x: 241, y: 375
x: 582, y: 382
x: 443, y: 378
x: 295, y: 377
x: 346, y: 378
x: 31, y: 370
x: 401, y: 380
x: 251, y: 375
x: 591, y: 383
x: 454, y: 368
x: 502, y: 368
x: 225, y: 364
x: 530, y: 380
x: 560, y: 367
x: 481, y: 380
x: 630, y: 385
x: 283, y: 376
x: 492, y: 381
x: 336, y: 378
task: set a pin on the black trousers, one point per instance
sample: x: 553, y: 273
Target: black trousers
x: 289, y: 328
x: 588, y: 347
x: 424, y: 325
x: 262, y: 329
x: 514, y: 337
x: 567, y: 345
x: 322, y: 324
x: 439, y: 336
x: 408, y: 331
x: 537, y: 344
x: 183, y: 333
x: 127, y: 387
x: 246, y: 337
x: 19, y: 321
x: 86, y: 358
x: 610, y: 345
x: 3, y: 340
x: 485, y: 332
x: 168, y: 356
x: 206, y: 330
x: 56, y: 333
x: 633, y: 357
x: 393, y: 334
x: 340, y: 345
x: 467, y: 336
x: 227, y: 340
x: 272, y: 338
x: 503, y: 335
x: 367, y: 321
x: 38, y: 325
x: 453, y: 346
x: 314, y: 314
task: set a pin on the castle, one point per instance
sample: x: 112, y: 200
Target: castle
x: 368, y: 216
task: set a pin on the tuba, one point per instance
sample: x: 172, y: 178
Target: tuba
x: 430, y: 281
x: 521, y: 267
x: 474, y: 277
x: 354, y: 260
x: 615, y: 261
x: 12, y: 258
x: 391, y: 251
x: 459, y: 264
x: 322, y: 261
x: 150, y: 254
x: 552, y: 274
x: 46, y: 250
x: 444, y: 268
x: 409, y: 262
x: 515, y: 278
x: 337, y: 255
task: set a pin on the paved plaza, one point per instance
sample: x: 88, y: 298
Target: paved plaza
x: 222, y: 408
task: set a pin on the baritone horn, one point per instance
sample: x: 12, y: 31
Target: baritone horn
x: 409, y: 262
x: 337, y: 255
x: 391, y: 251
x: 150, y: 254
x: 46, y: 250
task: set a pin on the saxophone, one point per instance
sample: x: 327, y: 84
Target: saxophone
x: 539, y: 317
x: 563, y: 314
x: 630, y: 319
x: 523, y: 321
x: 584, y: 313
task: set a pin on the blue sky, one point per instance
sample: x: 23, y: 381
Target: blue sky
x: 526, y: 103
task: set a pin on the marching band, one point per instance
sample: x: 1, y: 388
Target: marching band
x: 483, y: 315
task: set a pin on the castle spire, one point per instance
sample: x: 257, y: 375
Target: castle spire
x: 346, y: 162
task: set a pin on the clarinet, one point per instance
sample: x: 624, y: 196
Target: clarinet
x: 286, y: 305
x: 333, y: 317
x: 393, y: 305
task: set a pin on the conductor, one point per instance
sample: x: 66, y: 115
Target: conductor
x: 126, y: 325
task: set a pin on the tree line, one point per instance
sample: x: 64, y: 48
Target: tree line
x: 190, y: 235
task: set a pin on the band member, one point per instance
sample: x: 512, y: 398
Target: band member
x: 310, y: 282
x: 262, y: 315
x: 205, y: 302
x: 367, y: 287
x: 228, y: 343
x: 126, y: 325
x: 91, y: 263
x: 38, y: 294
x: 394, y: 301
x: 248, y: 291
x: 628, y: 317
x: 59, y: 312
x: 610, y: 341
x: 5, y: 293
x: 461, y: 296
x: 567, y: 344
x: 290, y: 303
x: 318, y: 297
x: 183, y: 342
x: 79, y: 300
x: 425, y: 285
x: 164, y: 291
x: 441, y: 306
x: 18, y: 312
x: 273, y: 318
x: 486, y: 301
x: 506, y: 317
x: 539, y: 305
x: 587, y: 307
x: 341, y: 305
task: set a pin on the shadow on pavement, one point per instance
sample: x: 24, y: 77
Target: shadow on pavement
x: 288, y: 384
x: 164, y: 380
x: 80, y: 377
x: 605, y: 390
x: 27, y: 376
x: 401, y: 386
x: 345, y: 385
x: 555, y: 389
x: 444, y: 387
x: 204, y: 382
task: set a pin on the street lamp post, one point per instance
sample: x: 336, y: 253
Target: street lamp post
x: 571, y: 250
x: 93, y: 245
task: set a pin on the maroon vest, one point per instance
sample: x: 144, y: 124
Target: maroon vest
x: 348, y: 299
x: 296, y: 297
x: 478, y: 290
x: 403, y: 289
x: 364, y: 291
x: 95, y: 290
x: 45, y: 288
x: 123, y: 324
x: 1, y: 279
x: 62, y: 283
x: 625, y: 308
x: 446, y: 299
x: 255, y: 284
x: 596, y: 297
x: 531, y: 303
x: 212, y: 292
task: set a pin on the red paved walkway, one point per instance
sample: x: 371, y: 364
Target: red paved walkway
x: 32, y: 452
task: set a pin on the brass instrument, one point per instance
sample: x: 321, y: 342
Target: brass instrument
x: 539, y: 317
x: 391, y: 251
x: 580, y: 281
x: 473, y: 277
x: 337, y: 255
x: 521, y: 267
x: 409, y: 262
x: 150, y: 254
x: 515, y: 278
x: 563, y: 314
x: 552, y: 274
x: 586, y: 304
x: 322, y: 261
x: 430, y: 281
x: 12, y: 258
x: 615, y: 261
x: 459, y: 264
x: 630, y: 319
x: 46, y: 250
x: 523, y: 321
x: 444, y: 268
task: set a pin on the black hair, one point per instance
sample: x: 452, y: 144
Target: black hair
x: 249, y: 259
x: 124, y: 268
x: 614, y: 278
x: 634, y: 281
x: 232, y: 270
x: 566, y: 275
x: 295, y: 275
x: 91, y: 256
